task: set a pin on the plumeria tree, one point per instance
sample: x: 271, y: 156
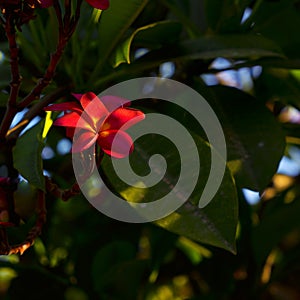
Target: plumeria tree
x: 15, y: 15
x: 56, y: 57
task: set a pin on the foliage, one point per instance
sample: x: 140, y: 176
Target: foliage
x: 231, y: 249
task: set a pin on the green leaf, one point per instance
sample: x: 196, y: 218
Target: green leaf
x: 225, y: 15
x: 36, y: 42
x: 114, y: 23
x: 275, y: 19
x: 51, y: 35
x: 30, y: 52
x: 255, y: 140
x: 180, y: 9
x: 215, y: 224
x: 150, y: 36
x: 234, y: 46
x: 210, y: 47
x: 27, y: 156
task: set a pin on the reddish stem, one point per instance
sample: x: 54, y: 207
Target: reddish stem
x: 65, y: 34
x: 45, y: 81
x: 16, y: 79
x: 67, y: 12
x: 57, y: 192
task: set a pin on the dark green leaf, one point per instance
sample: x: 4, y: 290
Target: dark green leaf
x: 237, y: 46
x: 279, y: 21
x: 225, y: 15
x: 181, y: 10
x: 255, y: 140
x: 27, y: 156
x: 210, y: 47
x: 215, y: 224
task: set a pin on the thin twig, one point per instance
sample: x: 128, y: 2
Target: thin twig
x: 59, y: 18
x: 67, y: 16
x: 36, y: 229
x: 75, y: 19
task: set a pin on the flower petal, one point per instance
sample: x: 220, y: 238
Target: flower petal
x: 70, y: 132
x: 85, y: 140
x: 71, y: 120
x: 100, y: 4
x: 94, y: 110
x: 87, y: 98
x: 73, y: 106
x: 114, y: 102
x: 123, y: 117
x: 123, y: 144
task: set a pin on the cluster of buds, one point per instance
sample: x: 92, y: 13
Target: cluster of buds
x: 19, y: 11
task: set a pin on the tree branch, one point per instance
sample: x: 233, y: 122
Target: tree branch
x: 65, y: 34
x: 57, y: 192
x: 14, y: 133
x: 16, y: 79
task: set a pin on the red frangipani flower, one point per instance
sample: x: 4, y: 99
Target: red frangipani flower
x: 98, y: 121
x: 99, y: 4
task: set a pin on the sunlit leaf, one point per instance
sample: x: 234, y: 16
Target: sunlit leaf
x: 149, y: 36
x: 48, y: 124
x: 215, y: 224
